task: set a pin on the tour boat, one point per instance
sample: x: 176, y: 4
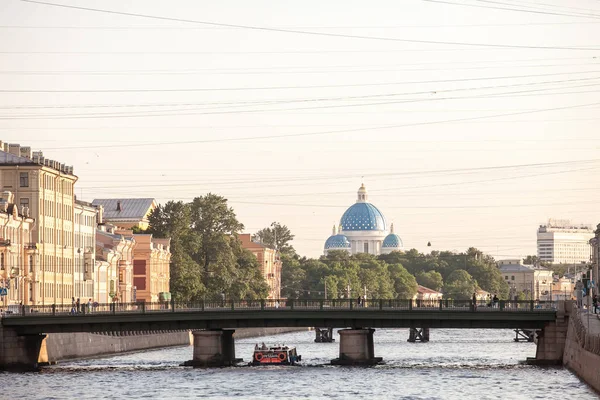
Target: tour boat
x: 274, y: 355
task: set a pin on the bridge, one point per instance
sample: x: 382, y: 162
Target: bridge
x: 214, y: 322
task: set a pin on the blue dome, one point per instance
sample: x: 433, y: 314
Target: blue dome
x: 392, y: 240
x: 337, y: 242
x: 363, y: 217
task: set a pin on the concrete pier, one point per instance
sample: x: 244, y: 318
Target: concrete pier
x: 19, y: 352
x: 551, y: 339
x: 213, y: 348
x: 356, y: 347
x: 324, y: 335
x: 418, y: 335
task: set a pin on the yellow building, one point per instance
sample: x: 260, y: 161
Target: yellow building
x: 269, y: 262
x: 114, y: 264
x: 18, y: 256
x: 45, y: 187
x: 126, y: 213
x: 534, y: 282
x: 151, y: 266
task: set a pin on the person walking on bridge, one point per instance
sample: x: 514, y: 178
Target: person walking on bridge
x: 474, y: 301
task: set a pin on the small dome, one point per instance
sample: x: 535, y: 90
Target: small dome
x: 337, y: 242
x: 392, y: 241
x: 363, y: 217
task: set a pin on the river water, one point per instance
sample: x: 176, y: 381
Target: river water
x: 455, y: 364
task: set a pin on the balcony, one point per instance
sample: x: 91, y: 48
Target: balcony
x: 30, y: 246
x: 4, y: 242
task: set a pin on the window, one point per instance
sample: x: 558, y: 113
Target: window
x: 512, y: 278
x: 506, y: 277
x: 366, y: 247
x: 2, y: 261
x: 30, y: 263
x: 24, y: 179
x: 24, y: 202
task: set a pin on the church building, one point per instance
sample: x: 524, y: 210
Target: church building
x: 363, y: 229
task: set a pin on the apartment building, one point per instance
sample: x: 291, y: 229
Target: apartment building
x: 269, y: 262
x: 534, y: 282
x: 46, y: 188
x: 18, y: 256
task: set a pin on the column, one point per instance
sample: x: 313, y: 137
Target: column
x: 356, y: 347
x: 213, y: 348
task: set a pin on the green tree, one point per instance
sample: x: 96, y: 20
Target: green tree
x: 460, y: 285
x: 405, y: 284
x: 431, y: 279
x: 292, y: 276
x: 276, y: 236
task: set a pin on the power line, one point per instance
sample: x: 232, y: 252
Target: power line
x: 575, y: 15
x: 180, y: 112
x: 291, y: 87
x: 330, y: 132
x: 269, y: 71
x: 311, y: 33
x: 336, y: 177
x: 338, y: 98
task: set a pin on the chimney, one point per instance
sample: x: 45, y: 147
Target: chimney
x: 119, y: 206
x: 100, y: 215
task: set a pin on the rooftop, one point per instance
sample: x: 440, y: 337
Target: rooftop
x: 122, y: 209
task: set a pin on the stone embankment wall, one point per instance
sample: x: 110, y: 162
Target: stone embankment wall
x: 65, y: 346
x: 582, y: 351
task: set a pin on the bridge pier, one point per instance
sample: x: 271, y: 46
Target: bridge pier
x: 213, y: 348
x: 19, y: 352
x: 551, y: 339
x: 356, y: 347
x: 418, y: 335
x: 324, y: 335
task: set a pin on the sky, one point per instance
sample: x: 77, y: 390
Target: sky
x: 470, y: 122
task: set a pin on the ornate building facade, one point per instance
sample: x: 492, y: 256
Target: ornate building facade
x: 363, y: 229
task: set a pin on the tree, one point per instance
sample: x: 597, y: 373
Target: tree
x: 431, y: 279
x: 460, y: 285
x: 207, y: 259
x: 405, y: 284
x: 276, y: 236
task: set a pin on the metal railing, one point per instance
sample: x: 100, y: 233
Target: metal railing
x: 503, y: 306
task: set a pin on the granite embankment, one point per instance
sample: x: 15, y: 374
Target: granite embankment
x: 67, y: 346
x: 582, y: 347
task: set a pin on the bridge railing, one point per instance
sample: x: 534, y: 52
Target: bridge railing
x: 440, y: 305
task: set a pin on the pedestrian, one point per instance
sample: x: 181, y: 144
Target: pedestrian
x: 89, y: 306
x: 73, y: 305
x: 359, y: 300
x: 474, y: 301
x: 495, y: 300
x: 78, y: 304
x: 595, y: 303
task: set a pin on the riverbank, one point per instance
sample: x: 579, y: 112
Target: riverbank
x: 69, y: 346
x: 582, y: 348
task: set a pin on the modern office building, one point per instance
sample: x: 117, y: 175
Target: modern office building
x: 561, y: 242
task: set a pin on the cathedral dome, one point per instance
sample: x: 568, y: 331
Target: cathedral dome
x: 392, y: 241
x: 337, y: 242
x: 363, y: 216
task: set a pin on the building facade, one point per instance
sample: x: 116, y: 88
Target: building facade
x: 363, y: 229
x: 18, y: 256
x: 85, y: 225
x: 269, y: 262
x: 114, y: 262
x: 150, y: 272
x: 535, y: 283
x: 595, y: 258
x: 561, y: 242
x: 46, y: 188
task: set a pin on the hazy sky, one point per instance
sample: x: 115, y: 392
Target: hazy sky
x: 287, y: 124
